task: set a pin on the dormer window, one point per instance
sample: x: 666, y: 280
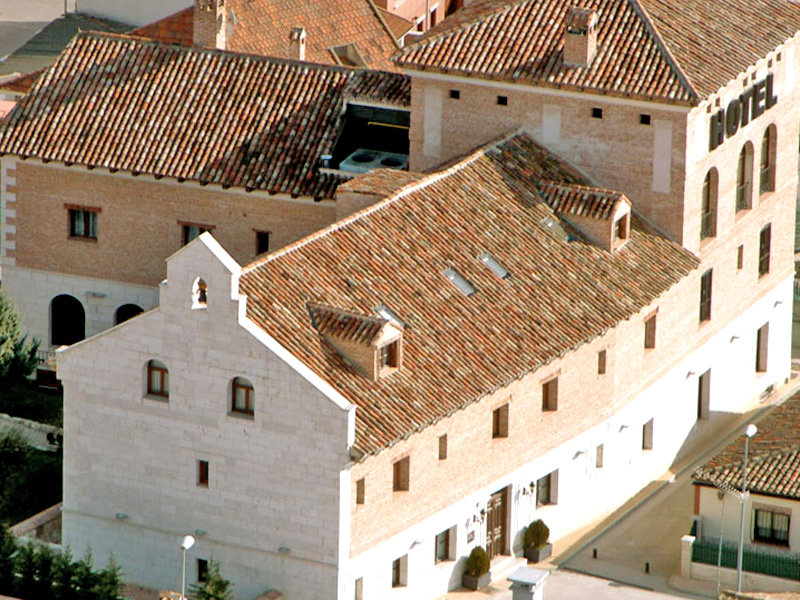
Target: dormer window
x: 387, y: 356
x: 621, y: 228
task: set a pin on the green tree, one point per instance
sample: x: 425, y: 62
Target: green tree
x: 109, y: 584
x: 215, y: 587
x: 25, y: 566
x: 64, y: 576
x: 18, y: 354
x: 8, y: 546
x: 85, y: 578
x: 14, y: 456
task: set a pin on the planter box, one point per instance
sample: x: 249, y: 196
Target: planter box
x: 476, y: 583
x: 538, y: 554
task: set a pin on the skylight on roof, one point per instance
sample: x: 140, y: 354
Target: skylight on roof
x: 458, y: 280
x: 388, y: 314
x: 557, y: 228
x: 491, y: 262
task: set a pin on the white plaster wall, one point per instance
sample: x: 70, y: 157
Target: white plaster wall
x: 34, y: 290
x: 140, y: 12
x: 271, y: 510
x: 671, y: 402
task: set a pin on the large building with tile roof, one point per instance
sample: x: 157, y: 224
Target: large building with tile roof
x: 195, y: 136
x: 590, y: 252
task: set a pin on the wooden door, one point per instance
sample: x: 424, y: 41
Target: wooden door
x: 496, y: 524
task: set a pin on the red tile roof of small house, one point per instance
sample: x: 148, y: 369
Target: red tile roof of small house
x: 457, y: 349
x: 129, y: 104
x: 177, y: 28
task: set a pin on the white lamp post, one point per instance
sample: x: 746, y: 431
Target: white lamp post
x: 749, y: 432
x: 186, y: 543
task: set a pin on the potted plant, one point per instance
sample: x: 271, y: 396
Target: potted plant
x: 476, y: 575
x: 537, y: 541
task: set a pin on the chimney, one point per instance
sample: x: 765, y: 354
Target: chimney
x: 580, y: 36
x: 210, y: 24
x: 297, y: 43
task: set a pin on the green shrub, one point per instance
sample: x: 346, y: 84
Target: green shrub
x: 478, y: 562
x: 537, y: 534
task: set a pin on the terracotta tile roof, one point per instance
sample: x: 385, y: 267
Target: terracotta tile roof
x: 396, y: 24
x: 583, y: 201
x: 19, y: 83
x: 773, y: 467
x: 457, y: 348
x: 214, y: 117
x: 345, y: 325
x: 382, y: 182
x: 264, y: 27
x: 672, y: 50
x: 177, y: 28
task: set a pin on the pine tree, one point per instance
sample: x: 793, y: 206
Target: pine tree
x: 215, y: 587
x: 18, y: 355
x: 110, y: 581
x: 8, y: 546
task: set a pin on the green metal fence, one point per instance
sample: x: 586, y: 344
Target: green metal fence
x: 786, y: 566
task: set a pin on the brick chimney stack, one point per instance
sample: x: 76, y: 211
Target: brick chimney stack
x: 297, y: 43
x: 210, y: 24
x: 580, y: 36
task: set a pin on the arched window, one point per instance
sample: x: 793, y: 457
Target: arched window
x: 157, y: 379
x: 242, y: 396
x: 125, y: 312
x: 708, y: 212
x: 769, y: 148
x: 67, y: 320
x: 199, y: 293
x: 744, y: 179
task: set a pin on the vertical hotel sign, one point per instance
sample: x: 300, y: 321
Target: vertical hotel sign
x: 751, y: 104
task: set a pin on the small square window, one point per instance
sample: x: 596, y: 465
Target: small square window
x: 401, y: 475
x: 502, y: 100
x: 202, y: 472
x: 597, y: 113
x: 455, y: 94
x: 500, y: 422
x: 83, y: 223
x: 443, y: 447
x: 550, y: 395
x: 202, y: 570
x: 601, y: 362
x: 644, y: 119
x: 262, y: 242
x: 360, y: 491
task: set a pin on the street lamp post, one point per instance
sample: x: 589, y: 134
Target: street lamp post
x: 186, y: 543
x: 749, y: 432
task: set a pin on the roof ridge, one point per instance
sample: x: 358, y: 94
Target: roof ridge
x: 396, y: 195
x: 640, y: 10
x: 425, y: 39
x: 592, y: 188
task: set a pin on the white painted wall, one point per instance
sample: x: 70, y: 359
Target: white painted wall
x: 271, y: 511
x: 140, y: 12
x: 671, y: 402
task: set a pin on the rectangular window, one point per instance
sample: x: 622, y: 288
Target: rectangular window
x: 192, y: 231
x: 157, y: 379
x: 442, y: 446
x: 243, y: 397
x: 650, y: 331
x: 502, y: 100
x: 740, y: 257
x: 401, y: 475
x: 547, y: 489
x: 764, y: 246
x: 500, y: 422
x: 202, y: 472
x: 647, y: 435
x: 360, y: 491
x: 83, y: 223
x: 202, y: 570
x: 455, y: 94
x: 644, y: 119
x: 771, y: 527
x: 262, y: 242
x: 550, y: 395
x: 621, y: 228
x: 705, y: 296
x: 359, y: 589
x: 762, y: 343
x: 601, y: 362
x: 442, y: 546
x: 400, y: 571
x: 597, y: 113
x: 387, y: 357
x: 598, y: 457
